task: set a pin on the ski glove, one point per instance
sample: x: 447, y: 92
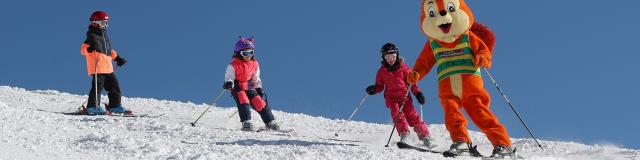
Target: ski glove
x: 371, y: 90
x: 227, y: 85
x: 260, y: 92
x: 419, y: 97
x: 120, y: 61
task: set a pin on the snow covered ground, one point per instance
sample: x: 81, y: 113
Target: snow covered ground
x: 30, y: 130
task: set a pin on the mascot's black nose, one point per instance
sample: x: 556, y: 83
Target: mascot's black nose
x: 443, y: 13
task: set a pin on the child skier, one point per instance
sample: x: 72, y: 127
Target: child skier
x: 391, y: 77
x: 100, y: 56
x: 242, y: 78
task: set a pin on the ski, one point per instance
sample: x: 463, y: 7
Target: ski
x: 473, y: 152
x: 79, y: 113
x: 262, y: 129
x: 187, y: 142
x: 515, y: 157
x: 138, y: 115
x: 490, y: 158
x: 403, y: 145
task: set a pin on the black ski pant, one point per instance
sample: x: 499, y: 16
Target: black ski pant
x: 110, y: 83
x: 244, y: 110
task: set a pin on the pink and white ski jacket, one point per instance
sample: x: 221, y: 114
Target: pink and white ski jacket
x: 247, y: 74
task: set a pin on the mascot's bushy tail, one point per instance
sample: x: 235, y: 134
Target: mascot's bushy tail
x: 485, y: 34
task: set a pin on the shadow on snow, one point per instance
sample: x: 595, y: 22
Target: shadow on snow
x: 250, y: 142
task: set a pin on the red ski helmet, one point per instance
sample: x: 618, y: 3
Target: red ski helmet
x: 99, y: 16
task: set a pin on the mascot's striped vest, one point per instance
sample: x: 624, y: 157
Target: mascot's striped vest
x: 457, y: 60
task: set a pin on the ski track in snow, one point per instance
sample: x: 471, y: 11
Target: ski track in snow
x: 30, y: 133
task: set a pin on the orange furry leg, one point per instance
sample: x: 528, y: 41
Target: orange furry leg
x: 475, y: 101
x: 455, y: 121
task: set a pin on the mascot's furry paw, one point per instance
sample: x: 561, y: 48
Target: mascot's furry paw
x: 413, y: 77
x: 482, y: 61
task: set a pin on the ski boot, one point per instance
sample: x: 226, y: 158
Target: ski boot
x: 119, y: 110
x: 503, y: 152
x: 273, y: 126
x: 404, y: 138
x: 93, y: 110
x: 247, y: 126
x: 462, y: 148
x: 428, y: 142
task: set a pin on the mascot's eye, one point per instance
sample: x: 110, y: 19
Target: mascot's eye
x: 432, y: 12
x: 451, y: 7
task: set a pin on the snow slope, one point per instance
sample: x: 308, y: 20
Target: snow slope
x: 29, y: 130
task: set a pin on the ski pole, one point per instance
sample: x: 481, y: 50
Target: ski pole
x: 95, y: 74
x: 82, y: 107
x: 266, y: 98
x: 233, y: 114
x: 95, y: 84
x: 398, y: 115
x: 354, y: 112
x: 511, y: 105
x: 212, y: 104
x: 421, y: 117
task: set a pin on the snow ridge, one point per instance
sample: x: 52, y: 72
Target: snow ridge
x: 31, y: 130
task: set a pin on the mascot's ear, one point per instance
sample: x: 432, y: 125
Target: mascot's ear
x: 250, y: 39
x: 241, y: 38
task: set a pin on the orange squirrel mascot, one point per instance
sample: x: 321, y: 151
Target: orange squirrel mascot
x: 459, y: 47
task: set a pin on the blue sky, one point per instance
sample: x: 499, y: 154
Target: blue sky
x: 567, y: 65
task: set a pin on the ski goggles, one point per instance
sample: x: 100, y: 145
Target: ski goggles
x: 390, y: 55
x: 247, y: 53
x: 103, y: 23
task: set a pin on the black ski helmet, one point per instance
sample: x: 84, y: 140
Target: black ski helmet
x: 388, y: 48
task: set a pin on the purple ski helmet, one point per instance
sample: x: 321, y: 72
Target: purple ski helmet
x: 243, y: 44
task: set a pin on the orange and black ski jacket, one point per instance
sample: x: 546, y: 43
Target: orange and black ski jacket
x: 93, y: 49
